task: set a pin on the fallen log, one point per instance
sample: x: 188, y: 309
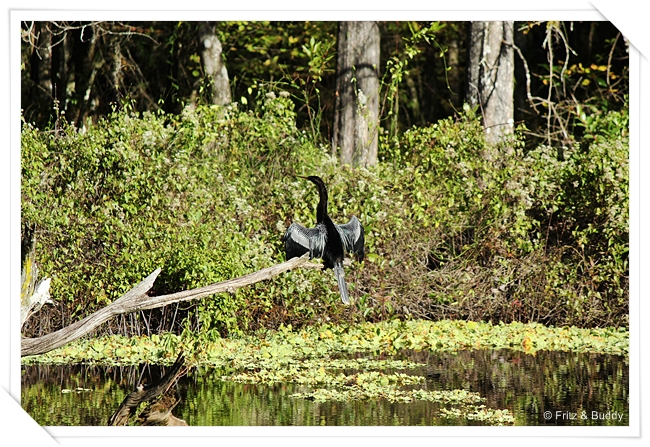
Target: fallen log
x: 137, y: 299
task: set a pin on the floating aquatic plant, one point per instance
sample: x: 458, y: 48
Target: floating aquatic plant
x: 355, y: 362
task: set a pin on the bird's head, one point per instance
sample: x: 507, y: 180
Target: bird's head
x: 312, y: 178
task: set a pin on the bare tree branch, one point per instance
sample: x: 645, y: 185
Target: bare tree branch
x: 137, y: 299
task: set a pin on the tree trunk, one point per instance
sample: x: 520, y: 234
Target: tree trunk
x: 356, y: 115
x: 84, y: 67
x: 43, y: 59
x: 213, y: 65
x: 455, y: 84
x: 491, y: 75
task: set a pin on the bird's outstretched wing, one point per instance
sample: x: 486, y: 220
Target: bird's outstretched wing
x: 352, y: 236
x: 299, y: 240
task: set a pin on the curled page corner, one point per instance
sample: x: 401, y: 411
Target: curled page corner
x: 21, y: 424
x: 631, y: 25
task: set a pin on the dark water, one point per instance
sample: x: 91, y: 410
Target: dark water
x: 549, y: 388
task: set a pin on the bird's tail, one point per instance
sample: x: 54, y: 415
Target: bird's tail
x: 343, y: 287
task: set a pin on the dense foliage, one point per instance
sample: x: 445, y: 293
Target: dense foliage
x: 565, y: 72
x: 455, y: 227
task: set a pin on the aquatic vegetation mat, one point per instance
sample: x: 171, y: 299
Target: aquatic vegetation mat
x: 346, y: 363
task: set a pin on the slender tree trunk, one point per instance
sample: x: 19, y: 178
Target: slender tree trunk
x: 213, y: 65
x: 491, y: 75
x: 40, y: 63
x: 85, y: 69
x: 455, y: 84
x: 356, y: 115
x: 524, y: 107
x: 44, y: 59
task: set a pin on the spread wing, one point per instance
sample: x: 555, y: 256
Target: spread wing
x: 299, y: 240
x: 352, y: 236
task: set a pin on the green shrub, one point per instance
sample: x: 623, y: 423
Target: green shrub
x: 455, y: 227
x: 133, y: 193
x: 582, y: 215
x: 497, y: 234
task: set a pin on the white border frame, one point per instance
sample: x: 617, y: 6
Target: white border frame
x: 552, y: 11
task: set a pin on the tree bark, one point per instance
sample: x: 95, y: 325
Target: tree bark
x: 356, y: 115
x: 491, y: 75
x: 137, y: 299
x: 213, y: 65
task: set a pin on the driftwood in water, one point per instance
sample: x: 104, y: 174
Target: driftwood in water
x: 159, y: 413
x: 137, y: 299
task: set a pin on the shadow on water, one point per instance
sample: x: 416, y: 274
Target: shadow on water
x: 548, y: 388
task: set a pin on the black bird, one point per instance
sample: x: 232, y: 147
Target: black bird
x: 327, y: 240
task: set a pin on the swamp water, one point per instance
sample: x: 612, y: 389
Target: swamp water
x: 548, y: 388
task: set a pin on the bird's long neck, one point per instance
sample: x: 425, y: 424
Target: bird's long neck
x: 321, y: 209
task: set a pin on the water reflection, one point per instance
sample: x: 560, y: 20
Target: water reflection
x: 530, y: 386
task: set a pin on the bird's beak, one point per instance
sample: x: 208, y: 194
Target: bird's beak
x: 301, y: 176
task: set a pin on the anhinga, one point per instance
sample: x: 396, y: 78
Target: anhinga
x: 327, y: 240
